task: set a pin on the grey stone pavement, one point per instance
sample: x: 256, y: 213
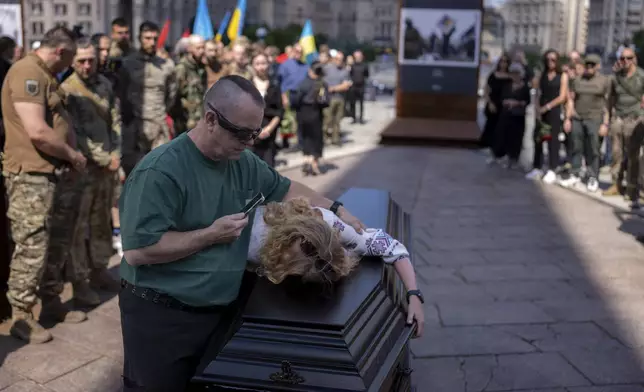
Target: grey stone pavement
x: 529, y: 287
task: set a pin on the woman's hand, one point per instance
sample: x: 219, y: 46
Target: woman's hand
x: 351, y: 220
x: 415, y: 313
x: 567, y: 125
x: 491, y: 107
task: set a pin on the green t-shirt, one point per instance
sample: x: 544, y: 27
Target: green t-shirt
x: 176, y: 188
x: 628, y: 93
x: 590, y: 96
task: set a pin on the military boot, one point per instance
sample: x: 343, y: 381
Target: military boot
x: 84, y: 295
x: 25, y: 327
x: 53, y: 309
x: 101, y: 279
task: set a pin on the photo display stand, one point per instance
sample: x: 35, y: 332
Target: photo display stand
x: 439, y: 47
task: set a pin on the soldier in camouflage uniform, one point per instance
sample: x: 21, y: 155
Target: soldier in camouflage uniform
x: 147, y: 91
x: 38, y: 145
x: 241, y: 63
x: 96, y: 114
x: 191, y: 82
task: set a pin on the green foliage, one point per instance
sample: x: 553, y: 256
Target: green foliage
x: 533, y: 59
x: 638, y: 41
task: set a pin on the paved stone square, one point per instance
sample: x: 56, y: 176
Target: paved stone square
x: 529, y: 287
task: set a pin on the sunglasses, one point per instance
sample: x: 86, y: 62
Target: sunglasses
x: 242, y: 134
x: 552, y: 58
x: 590, y: 65
x: 627, y: 58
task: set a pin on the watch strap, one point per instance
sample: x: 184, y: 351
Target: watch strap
x: 335, y: 207
x: 417, y: 293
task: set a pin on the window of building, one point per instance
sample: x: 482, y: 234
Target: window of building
x: 87, y: 27
x: 37, y: 28
x: 62, y: 24
x: 36, y: 8
x: 84, y: 9
x: 60, y: 9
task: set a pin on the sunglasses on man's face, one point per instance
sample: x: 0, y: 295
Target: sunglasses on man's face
x: 624, y: 58
x: 242, y: 134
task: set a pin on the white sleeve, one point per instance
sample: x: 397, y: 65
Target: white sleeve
x: 372, y: 242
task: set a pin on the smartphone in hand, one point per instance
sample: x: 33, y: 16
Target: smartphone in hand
x: 253, y: 203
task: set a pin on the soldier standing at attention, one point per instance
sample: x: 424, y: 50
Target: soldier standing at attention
x: 120, y: 46
x: 37, y: 145
x: 191, y: 86
x: 147, y: 91
x: 96, y: 115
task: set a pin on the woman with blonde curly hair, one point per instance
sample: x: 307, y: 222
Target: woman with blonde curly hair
x: 294, y: 239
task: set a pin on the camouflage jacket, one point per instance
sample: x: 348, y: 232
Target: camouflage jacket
x: 96, y: 117
x: 246, y: 72
x: 147, y: 90
x: 191, y: 87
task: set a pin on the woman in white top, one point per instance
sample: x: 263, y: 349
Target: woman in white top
x: 294, y: 239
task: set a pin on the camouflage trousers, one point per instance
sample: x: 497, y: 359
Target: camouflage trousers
x: 64, y: 234
x: 30, y: 198
x: 626, y: 137
x: 93, y: 243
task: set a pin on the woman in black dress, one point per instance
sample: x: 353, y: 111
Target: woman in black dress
x: 308, y: 100
x: 496, y: 83
x: 265, y: 147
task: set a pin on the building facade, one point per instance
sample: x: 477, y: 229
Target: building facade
x: 611, y: 22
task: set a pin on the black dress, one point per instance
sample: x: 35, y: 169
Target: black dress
x: 308, y: 101
x: 266, y: 149
x: 496, y: 86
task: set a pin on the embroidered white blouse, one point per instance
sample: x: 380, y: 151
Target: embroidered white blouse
x: 372, y: 242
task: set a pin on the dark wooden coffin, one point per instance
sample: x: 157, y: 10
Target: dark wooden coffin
x: 355, y: 339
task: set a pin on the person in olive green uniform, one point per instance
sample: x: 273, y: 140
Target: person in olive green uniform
x: 627, y: 90
x: 191, y: 82
x: 587, y: 120
x: 185, y: 239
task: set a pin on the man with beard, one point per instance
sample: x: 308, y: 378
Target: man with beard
x: 120, y: 46
x: 95, y: 111
x: 191, y: 86
x: 215, y: 68
x: 147, y: 91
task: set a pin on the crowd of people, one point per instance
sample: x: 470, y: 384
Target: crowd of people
x: 586, y: 120
x: 79, y: 113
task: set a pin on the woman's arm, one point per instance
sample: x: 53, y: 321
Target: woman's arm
x: 563, y: 93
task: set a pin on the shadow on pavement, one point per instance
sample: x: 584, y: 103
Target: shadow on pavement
x: 528, y: 287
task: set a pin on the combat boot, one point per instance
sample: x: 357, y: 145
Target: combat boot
x: 102, y: 280
x: 84, y: 295
x: 25, y: 327
x: 53, y: 309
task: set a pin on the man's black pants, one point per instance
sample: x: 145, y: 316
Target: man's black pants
x: 357, y: 96
x: 163, y: 346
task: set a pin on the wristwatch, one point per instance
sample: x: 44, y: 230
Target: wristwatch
x: 335, y: 206
x: 417, y: 293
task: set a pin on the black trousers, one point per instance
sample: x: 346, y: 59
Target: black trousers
x: 552, y: 118
x: 163, y: 346
x: 357, y: 97
x: 509, y: 136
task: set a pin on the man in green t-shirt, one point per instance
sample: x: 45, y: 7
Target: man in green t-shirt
x: 185, y: 240
x: 586, y: 121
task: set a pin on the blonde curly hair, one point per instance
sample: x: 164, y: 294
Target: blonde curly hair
x: 322, y: 259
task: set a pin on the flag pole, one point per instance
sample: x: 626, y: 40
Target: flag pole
x: 23, y: 39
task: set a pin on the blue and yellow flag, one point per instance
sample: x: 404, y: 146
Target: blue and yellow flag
x: 307, y: 40
x: 237, y: 21
x: 203, y: 24
x: 222, y: 27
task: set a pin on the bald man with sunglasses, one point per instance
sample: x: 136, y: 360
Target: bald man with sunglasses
x: 185, y: 238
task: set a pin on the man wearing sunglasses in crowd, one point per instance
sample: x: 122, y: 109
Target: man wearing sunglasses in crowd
x: 627, y: 104
x: 185, y: 239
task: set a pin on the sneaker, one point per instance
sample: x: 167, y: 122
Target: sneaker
x: 592, y: 185
x: 571, y: 180
x: 26, y: 328
x: 84, y: 295
x: 534, y: 174
x: 117, y: 245
x: 550, y: 177
x: 55, y: 310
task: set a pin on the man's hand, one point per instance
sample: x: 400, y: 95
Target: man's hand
x: 78, y: 161
x: 351, y: 220
x: 266, y: 132
x: 228, y: 228
x: 114, y: 164
x: 603, y: 130
x: 567, y: 125
x: 415, y: 313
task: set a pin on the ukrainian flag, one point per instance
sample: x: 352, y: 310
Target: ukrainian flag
x: 236, y: 24
x: 203, y: 24
x: 222, y: 27
x: 307, y: 40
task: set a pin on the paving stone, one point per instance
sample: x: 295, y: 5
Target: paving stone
x: 100, y: 333
x: 511, y: 272
x: 629, y: 331
x: 452, y: 374
x: 534, y: 371
x: 8, y: 377
x: 607, y: 367
x: 457, y: 341
x: 438, y: 274
x: 564, y: 336
x: 35, y: 361
x: 448, y: 292
x: 608, y: 388
x: 459, y: 314
x: 26, y: 386
x: 508, y: 256
x: 575, y: 309
x: 453, y: 259
x: 102, y: 375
